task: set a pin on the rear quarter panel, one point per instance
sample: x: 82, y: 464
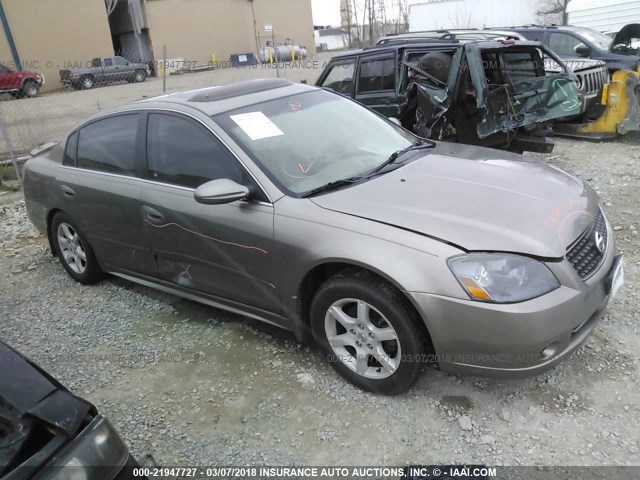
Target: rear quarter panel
x: 40, y: 193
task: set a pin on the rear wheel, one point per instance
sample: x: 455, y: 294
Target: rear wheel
x: 74, y: 251
x: 369, y: 332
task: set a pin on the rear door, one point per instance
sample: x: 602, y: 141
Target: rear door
x: 122, y: 69
x: 99, y: 190
x: 222, y: 250
x: 108, y: 70
x: 377, y: 80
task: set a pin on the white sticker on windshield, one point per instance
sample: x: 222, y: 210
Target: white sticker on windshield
x: 257, y: 125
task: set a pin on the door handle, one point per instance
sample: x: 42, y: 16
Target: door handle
x: 152, y: 215
x: 67, y: 191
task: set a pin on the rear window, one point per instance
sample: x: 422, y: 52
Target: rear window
x: 109, y: 145
x: 71, y: 152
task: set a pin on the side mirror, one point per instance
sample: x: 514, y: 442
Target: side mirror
x: 220, y: 192
x: 583, y: 51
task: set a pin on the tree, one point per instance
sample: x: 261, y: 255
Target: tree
x: 553, y: 11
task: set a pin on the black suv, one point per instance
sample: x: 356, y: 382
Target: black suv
x: 488, y: 93
x: 569, y: 41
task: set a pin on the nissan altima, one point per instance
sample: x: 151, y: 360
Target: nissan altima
x: 298, y: 207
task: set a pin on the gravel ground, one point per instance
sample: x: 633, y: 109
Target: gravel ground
x: 194, y: 385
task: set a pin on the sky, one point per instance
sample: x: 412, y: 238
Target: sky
x: 327, y: 12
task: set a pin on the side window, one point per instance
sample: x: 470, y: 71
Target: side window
x: 518, y: 66
x: 181, y: 152
x: 119, y: 61
x: 109, y: 145
x: 340, y: 77
x: 536, y: 36
x: 563, y: 44
x: 108, y: 62
x: 71, y: 152
x: 377, y: 75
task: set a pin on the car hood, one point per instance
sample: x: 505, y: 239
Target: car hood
x: 29, y: 397
x: 627, y: 33
x: 477, y: 199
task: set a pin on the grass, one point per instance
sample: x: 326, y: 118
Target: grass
x: 7, y: 173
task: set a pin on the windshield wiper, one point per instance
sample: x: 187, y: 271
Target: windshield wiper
x: 335, y: 184
x: 420, y: 145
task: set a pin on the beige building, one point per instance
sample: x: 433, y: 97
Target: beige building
x: 51, y: 35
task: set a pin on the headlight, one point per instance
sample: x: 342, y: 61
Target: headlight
x: 502, y: 278
x: 97, y: 453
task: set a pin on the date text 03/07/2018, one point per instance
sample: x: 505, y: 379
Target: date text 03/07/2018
x: 412, y: 472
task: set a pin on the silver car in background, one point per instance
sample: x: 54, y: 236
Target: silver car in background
x: 299, y: 207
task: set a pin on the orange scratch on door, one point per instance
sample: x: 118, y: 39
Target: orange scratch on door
x: 246, y: 247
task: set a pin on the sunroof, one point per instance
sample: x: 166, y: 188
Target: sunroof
x: 238, y: 89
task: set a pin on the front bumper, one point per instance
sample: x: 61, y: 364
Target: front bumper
x: 521, y: 339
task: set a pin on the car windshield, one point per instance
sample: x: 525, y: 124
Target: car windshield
x: 308, y: 140
x: 600, y: 40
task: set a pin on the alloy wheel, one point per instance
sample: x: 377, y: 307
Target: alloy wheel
x: 362, y: 338
x: 71, y: 248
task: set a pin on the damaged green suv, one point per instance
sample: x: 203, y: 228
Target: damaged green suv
x: 489, y: 93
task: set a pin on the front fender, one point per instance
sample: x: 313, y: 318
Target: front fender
x: 309, y: 236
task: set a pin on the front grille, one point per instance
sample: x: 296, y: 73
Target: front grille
x: 593, y: 81
x: 584, y: 255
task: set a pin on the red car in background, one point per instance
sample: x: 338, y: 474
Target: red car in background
x: 20, y: 83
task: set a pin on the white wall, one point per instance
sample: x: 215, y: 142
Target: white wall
x: 471, y: 14
x: 333, y: 42
x: 604, y: 15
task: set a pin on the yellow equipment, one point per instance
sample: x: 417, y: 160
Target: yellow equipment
x: 621, y: 98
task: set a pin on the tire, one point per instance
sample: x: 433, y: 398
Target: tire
x: 140, y: 76
x: 30, y: 89
x: 372, y: 313
x: 87, y: 82
x: 71, y: 246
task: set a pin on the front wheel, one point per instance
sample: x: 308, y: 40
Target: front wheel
x: 30, y: 90
x: 369, y: 332
x: 74, y: 251
x: 87, y: 82
x: 140, y: 76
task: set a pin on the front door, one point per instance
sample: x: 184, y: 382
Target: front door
x: 222, y: 250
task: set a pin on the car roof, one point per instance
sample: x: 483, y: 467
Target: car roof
x: 399, y: 42
x: 541, y: 27
x: 217, y: 99
x: 396, y: 46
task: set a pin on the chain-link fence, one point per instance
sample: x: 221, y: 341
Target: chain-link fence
x: 30, y: 118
